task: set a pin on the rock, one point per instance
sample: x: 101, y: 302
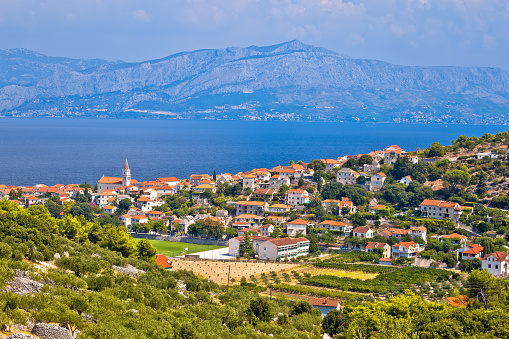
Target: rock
x: 49, y: 331
x: 20, y: 336
x: 56, y: 256
x: 66, y: 254
x: 23, y: 284
x: 96, y: 255
x: 128, y: 269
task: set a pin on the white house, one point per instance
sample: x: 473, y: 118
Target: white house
x: 470, y: 252
x: 496, y: 263
x: 438, y: 209
x: 296, y: 226
x: 279, y: 208
x: 330, y: 164
x: 362, y: 232
x: 347, y: 176
x: 406, y: 180
x: 336, y: 226
x: 272, y: 248
x: 296, y: 197
x: 376, y: 182
x: 406, y: 249
x: 371, y: 246
x: 266, y: 230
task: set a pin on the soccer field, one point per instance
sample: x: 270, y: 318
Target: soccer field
x: 172, y: 248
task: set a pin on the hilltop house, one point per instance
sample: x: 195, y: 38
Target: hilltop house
x: 347, y: 176
x: 406, y: 249
x: 362, y: 232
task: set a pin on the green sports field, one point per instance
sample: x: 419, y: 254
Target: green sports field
x: 171, y: 248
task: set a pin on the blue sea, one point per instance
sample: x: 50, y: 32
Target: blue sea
x: 59, y: 150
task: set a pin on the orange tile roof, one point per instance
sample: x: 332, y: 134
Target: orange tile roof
x: 332, y: 223
x: 454, y: 236
x: 279, y: 206
x: 110, y: 180
x: 167, y: 179
x: 297, y: 222
x: 405, y: 244
x: 361, y: 229
x: 163, y: 261
x: 373, y: 244
x: 499, y: 256
x: 144, y: 199
x: 287, y: 241
x: 439, y: 203
x: 460, y: 301
x: 251, y: 203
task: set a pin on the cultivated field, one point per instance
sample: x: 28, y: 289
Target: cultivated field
x: 218, y: 271
x: 172, y: 248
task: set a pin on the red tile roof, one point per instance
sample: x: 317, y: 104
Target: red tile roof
x: 163, y: 261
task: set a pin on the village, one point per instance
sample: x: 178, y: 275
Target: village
x: 382, y: 207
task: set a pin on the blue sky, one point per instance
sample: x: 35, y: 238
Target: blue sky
x: 409, y: 32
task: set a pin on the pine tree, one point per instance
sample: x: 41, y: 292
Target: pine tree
x: 214, y: 177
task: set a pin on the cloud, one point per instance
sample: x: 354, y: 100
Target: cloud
x: 141, y: 15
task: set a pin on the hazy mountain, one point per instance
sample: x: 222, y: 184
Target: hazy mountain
x: 291, y: 81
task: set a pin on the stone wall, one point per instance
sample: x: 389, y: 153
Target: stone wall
x: 189, y: 240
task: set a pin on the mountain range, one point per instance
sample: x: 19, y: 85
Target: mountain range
x: 288, y: 81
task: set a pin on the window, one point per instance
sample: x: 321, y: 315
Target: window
x: 489, y: 266
x: 496, y: 266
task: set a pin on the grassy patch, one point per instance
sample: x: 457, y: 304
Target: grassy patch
x: 172, y: 248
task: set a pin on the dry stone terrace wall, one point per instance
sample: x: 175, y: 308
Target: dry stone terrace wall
x: 189, y: 240
x: 23, y: 284
x: 49, y: 331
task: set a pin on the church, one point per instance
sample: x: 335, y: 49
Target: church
x: 113, y: 183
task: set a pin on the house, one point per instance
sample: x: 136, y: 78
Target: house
x: 169, y: 181
x: 113, y: 183
x: 279, y: 208
x: 456, y: 239
x: 325, y: 304
x: 248, y: 181
x: 376, y: 208
x: 283, y: 248
x: 385, y: 261
x: 164, y: 262
x: 296, y: 226
x: 251, y: 207
x: 196, y: 178
x: 392, y: 154
x: 105, y: 197
x: 296, y: 197
x: 496, y: 263
x: 362, y: 232
x: 277, y: 219
x: 276, y: 181
x: 330, y: 203
x: 265, y: 194
x: 406, y: 180
x: 397, y: 233
x: 166, y: 190
x: 330, y: 164
x: 460, y: 301
x: 251, y: 220
x: 146, y: 204
x: 30, y: 200
x: 438, y: 209
x: 126, y: 220
x: 203, y: 187
x: 371, y: 246
x: 336, y: 226
x: 406, y: 249
x: 272, y: 248
x: 139, y: 219
x: 109, y: 210
x: 155, y: 215
x: 266, y: 230
x: 346, y: 204
x: 419, y: 231
x: 470, y: 252
x: 376, y: 182
x: 347, y: 176
x: 248, y: 230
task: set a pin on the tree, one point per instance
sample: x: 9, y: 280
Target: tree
x: 145, y: 250
x: 301, y: 307
x: 316, y: 165
x: 301, y: 182
x: 488, y: 245
x: 482, y: 188
x: 260, y: 308
x: 365, y: 159
x: 335, y: 322
x: 436, y: 150
x: 457, y: 178
x: 246, y: 247
x: 124, y: 205
x: 450, y: 259
x: 214, y: 176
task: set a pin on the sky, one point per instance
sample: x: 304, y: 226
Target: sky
x: 407, y: 32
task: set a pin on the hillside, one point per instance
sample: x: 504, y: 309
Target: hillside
x: 289, y: 81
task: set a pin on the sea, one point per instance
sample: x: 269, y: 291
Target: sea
x: 73, y: 150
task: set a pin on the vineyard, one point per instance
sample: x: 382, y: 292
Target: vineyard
x: 396, y: 280
x: 355, y: 267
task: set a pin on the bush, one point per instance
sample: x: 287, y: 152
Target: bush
x: 5, y: 251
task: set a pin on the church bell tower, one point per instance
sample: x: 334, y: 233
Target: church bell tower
x: 126, y: 175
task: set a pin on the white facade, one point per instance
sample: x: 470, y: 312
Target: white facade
x: 347, y: 176
x: 496, y: 264
x: 296, y: 197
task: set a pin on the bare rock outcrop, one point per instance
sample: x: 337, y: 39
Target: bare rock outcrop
x: 50, y: 331
x: 23, y: 284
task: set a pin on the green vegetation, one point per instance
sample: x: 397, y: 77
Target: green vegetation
x: 398, y: 280
x: 355, y: 267
x: 172, y: 248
